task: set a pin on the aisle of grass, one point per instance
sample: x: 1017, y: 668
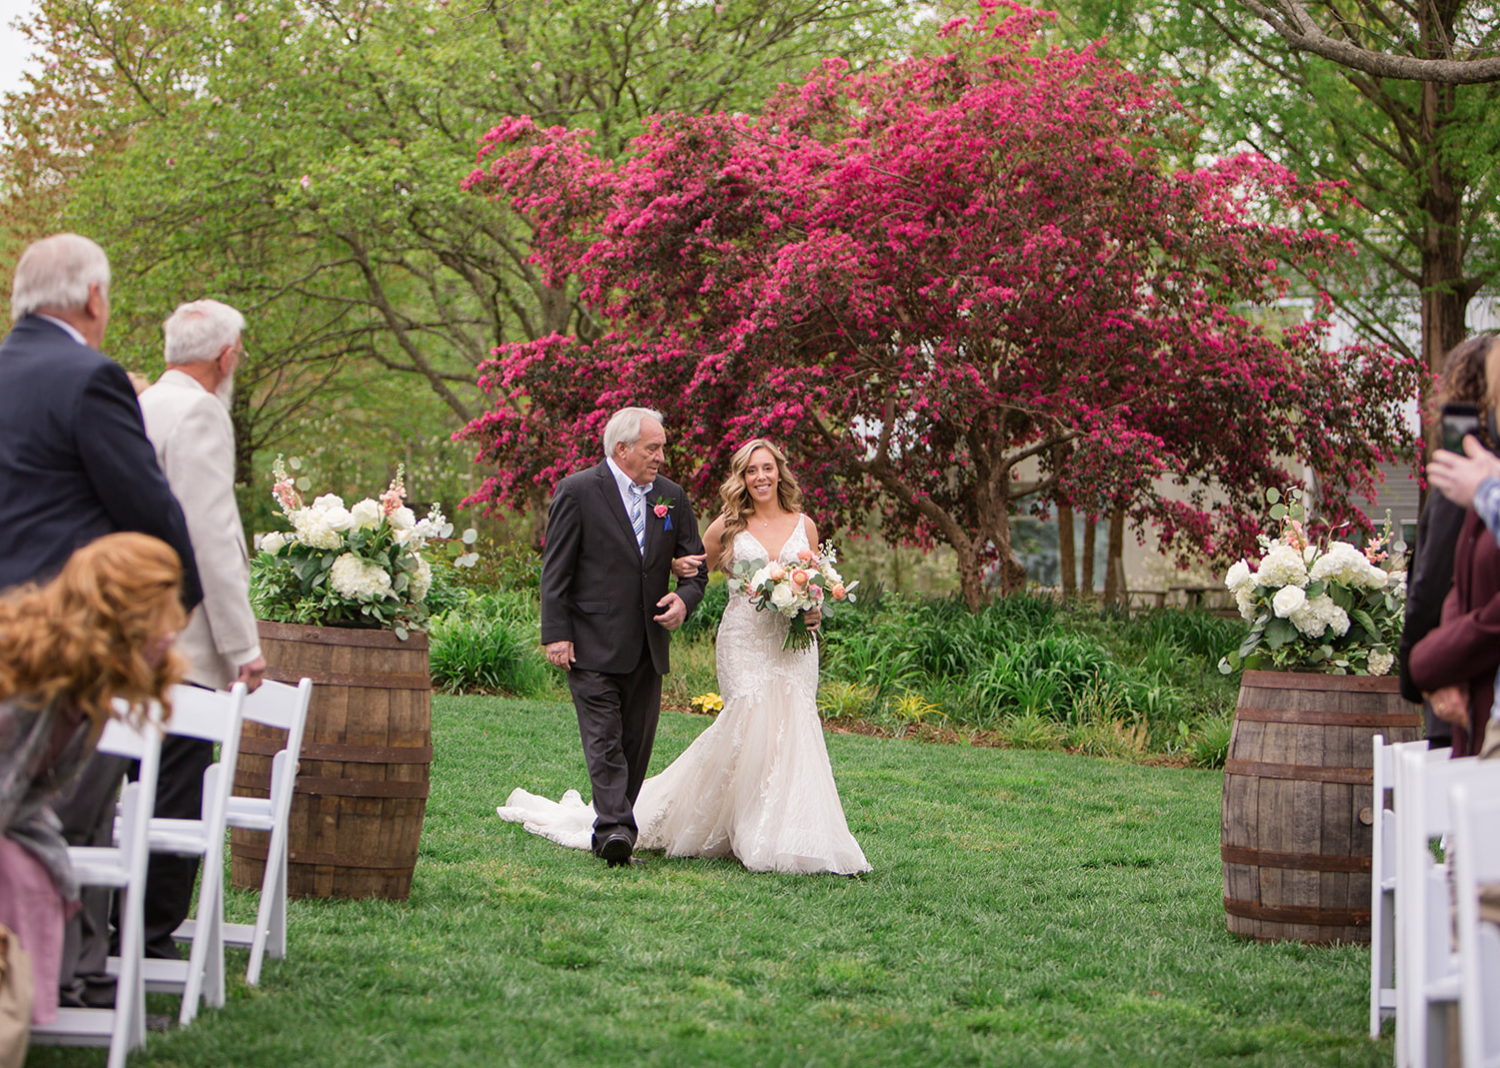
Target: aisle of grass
x: 1026, y: 908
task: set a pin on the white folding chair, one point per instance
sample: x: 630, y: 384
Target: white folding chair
x: 213, y: 716
x: 122, y: 866
x: 1383, y: 884
x: 274, y: 704
x: 1476, y: 862
x: 1427, y: 968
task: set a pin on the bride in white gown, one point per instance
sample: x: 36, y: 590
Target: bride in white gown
x: 757, y: 784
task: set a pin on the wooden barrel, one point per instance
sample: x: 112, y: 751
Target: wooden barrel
x: 1298, y: 809
x: 362, y: 781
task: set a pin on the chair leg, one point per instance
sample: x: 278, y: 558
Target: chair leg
x: 277, y: 947
x: 207, y: 940
x: 266, y: 914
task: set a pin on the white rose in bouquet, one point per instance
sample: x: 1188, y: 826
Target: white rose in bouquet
x: 1288, y: 599
x: 403, y: 518
x: 272, y: 542
x: 366, y: 514
x: 1239, y: 576
x: 783, y: 597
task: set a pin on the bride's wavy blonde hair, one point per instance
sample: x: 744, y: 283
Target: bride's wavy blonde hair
x: 84, y: 636
x: 738, y: 504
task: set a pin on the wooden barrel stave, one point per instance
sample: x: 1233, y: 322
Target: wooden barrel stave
x: 363, y: 777
x: 1297, y: 803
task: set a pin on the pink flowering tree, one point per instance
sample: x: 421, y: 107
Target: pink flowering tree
x: 955, y: 287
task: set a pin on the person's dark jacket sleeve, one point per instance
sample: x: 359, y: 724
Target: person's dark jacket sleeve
x: 689, y: 543
x: 121, y: 465
x: 559, y: 559
x: 1427, y: 584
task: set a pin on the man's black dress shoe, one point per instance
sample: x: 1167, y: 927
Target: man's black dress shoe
x: 616, y: 849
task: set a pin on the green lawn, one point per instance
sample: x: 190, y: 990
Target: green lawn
x: 1026, y: 908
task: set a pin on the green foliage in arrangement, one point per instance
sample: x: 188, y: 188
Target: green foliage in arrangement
x: 1025, y: 909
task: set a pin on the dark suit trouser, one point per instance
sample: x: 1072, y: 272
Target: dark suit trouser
x: 170, y: 879
x: 87, y: 811
x: 617, y: 717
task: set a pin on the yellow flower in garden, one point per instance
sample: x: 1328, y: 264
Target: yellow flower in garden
x: 706, y: 703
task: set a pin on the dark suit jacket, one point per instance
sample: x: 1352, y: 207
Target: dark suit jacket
x: 75, y: 463
x: 1427, y: 586
x: 597, y: 590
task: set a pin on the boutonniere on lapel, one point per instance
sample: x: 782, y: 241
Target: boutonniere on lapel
x: 663, y: 510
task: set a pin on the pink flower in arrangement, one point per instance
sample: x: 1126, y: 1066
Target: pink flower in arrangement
x: 391, y: 499
x: 661, y: 511
x: 286, y: 494
x: 839, y: 592
x: 805, y: 555
x: 799, y: 577
x: 777, y: 572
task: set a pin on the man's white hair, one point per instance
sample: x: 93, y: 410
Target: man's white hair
x: 200, y: 330
x: 56, y: 272
x: 624, y: 427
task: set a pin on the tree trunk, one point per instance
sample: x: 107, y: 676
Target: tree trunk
x: 1067, y: 552
x: 1115, y: 593
x: 1086, y: 583
x: 970, y: 577
x: 538, y: 511
x: 1445, y: 297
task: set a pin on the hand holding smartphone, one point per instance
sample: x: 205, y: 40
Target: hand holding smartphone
x: 1456, y: 421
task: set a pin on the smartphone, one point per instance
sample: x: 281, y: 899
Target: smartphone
x: 1458, y: 420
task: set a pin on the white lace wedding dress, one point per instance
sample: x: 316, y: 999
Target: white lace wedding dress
x: 757, y: 784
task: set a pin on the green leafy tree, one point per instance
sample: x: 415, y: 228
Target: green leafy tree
x: 302, y: 161
x: 1421, y: 159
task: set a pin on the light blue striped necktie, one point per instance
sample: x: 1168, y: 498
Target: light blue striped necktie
x: 638, y: 515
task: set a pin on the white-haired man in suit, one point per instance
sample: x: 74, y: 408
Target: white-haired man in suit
x: 187, y: 420
x: 75, y: 464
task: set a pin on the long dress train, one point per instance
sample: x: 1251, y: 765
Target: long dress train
x: 757, y: 784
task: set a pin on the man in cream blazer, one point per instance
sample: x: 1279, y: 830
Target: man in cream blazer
x: 187, y: 420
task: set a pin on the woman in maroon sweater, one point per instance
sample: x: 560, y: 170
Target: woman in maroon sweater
x: 1454, y: 665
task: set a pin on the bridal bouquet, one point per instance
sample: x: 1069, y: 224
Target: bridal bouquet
x: 1324, y: 606
x: 812, y: 582
x: 362, y: 566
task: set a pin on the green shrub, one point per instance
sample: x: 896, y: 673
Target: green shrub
x: 491, y: 644
x: 1209, y: 748
x: 509, y: 565
x: 844, y: 700
x: 710, y: 611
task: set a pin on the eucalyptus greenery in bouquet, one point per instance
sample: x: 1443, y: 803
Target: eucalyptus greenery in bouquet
x: 366, y: 566
x: 1316, y: 604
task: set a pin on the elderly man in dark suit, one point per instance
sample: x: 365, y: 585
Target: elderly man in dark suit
x: 607, y: 614
x: 75, y: 465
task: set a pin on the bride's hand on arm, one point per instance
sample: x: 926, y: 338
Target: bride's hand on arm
x: 687, y: 566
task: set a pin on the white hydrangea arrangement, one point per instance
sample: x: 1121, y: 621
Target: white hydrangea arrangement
x: 363, y: 566
x: 1331, y: 608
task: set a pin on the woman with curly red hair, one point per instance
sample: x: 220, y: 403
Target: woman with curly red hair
x: 101, y: 630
